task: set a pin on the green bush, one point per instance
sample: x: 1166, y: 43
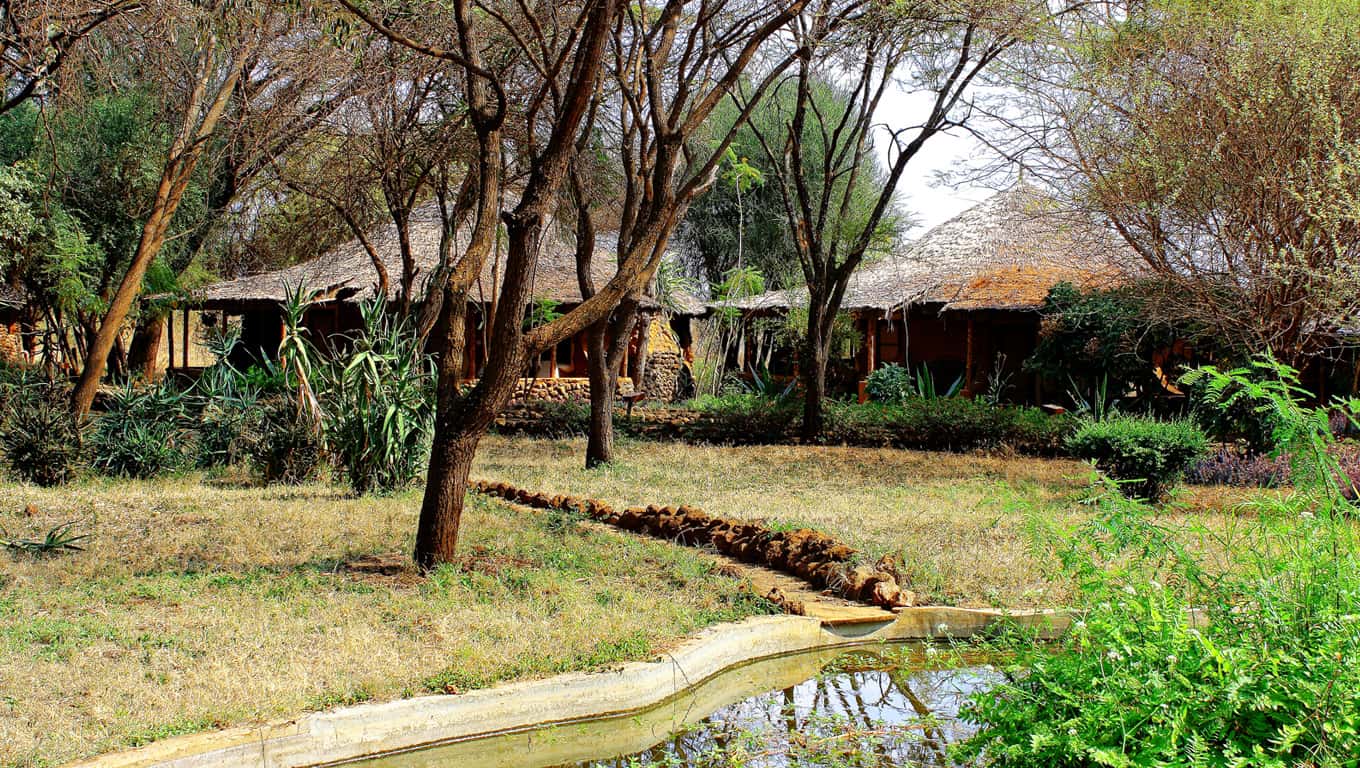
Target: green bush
x: 890, y: 384
x: 142, y: 434
x: 40, y: 440
x: 288, y: 448
x: 1176, y: 661
x: 378, y: 402
x: 227, y: 415
x: 951, y: 424
x: 1146, y: 456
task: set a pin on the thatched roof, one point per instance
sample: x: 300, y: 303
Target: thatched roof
x: 346, y: 272
x: 1004, y: 253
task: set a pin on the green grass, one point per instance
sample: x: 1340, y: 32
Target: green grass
x: 199, y: 605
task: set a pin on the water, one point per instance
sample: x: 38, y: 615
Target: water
x: 892, y: 705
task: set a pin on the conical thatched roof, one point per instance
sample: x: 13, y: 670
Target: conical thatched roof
x: 1004, y: 253
x: 346, y: 273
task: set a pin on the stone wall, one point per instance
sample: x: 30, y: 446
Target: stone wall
x: 562, y: 390
x: 11, y: 347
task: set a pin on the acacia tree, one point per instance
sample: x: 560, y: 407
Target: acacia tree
x: 263, y: 58
x: 674, y: 65
x: 1221, y: 142
x: 560, y: 50
x: 936, y: 49
x: 39, y: 37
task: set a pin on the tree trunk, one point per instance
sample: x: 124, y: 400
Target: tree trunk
x: 146, y: 345
x: 816, y: 352
x: 604, y: 381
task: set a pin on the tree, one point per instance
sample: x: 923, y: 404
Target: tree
x: 39, y: 37
x: 674, y: 65
x: 1220, y: 140
x: 257, y: 68
x: 936, y: 50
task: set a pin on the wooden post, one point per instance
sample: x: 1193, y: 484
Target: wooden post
x: 870, y: 344
x: 553, y: 371
x: 170, y: 340
x: 968, y: 360
x: 186, y: 338
x: 902, y: 339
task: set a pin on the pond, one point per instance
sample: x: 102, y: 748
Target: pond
x: 889, y: 704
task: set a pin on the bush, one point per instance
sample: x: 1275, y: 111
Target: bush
x: 1267, y: 678
x: 288, y: 448
x: 227, y: 415
x: 40, y: 440
x: 142, y: 434
x: 1145, y: 455
x: 951, y: 424
x: 890, y: 384
x: 379, y: 404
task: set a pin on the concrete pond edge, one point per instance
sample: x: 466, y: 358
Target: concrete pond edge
x: 375, y: 730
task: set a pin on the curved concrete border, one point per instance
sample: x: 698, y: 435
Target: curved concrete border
x: 374, y: 730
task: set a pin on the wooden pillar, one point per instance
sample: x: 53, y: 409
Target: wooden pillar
x: 870, y: 344
x: 553, y: 371
x: 902, y: 340
x: 968, y: 366
x: 170, y: 340
x: 185, y: 326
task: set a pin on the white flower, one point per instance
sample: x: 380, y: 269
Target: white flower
x: 1171, y: 659
x: 1113, y: 655
x: 941, y: 628
x: 1155, y: 585
x: 1130, y: 590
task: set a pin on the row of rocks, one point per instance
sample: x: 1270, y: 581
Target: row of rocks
x: 806, y: 553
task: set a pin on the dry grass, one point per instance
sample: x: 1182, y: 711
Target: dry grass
x: 961, y: 524
x: 199, y: 606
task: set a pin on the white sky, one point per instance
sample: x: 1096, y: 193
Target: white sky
x: 921, y: 193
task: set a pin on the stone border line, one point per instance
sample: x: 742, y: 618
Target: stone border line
x: 811, y: 555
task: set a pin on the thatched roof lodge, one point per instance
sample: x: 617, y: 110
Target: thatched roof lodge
x: 345, y: 276
x: 963, y: 299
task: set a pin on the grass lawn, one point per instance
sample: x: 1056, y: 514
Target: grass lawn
x: 200, y: 605
x: 959, y: 523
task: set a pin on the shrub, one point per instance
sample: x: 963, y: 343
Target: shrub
x: 227, y: 415
x: 379, y: 404
x: 288, y: 448
x: 40, y: 440
x: 1145, y: 455
x: 947, y: 424
x: 1266, y: 679
x: 890, y: 384
x: 142, y: 434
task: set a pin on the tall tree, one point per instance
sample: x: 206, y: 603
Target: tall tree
x: 255, y: 68
x: 674, y: 66
x: 1221, y: 141
x: 936, y: 50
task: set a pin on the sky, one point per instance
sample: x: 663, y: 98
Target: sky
x: 921, y: 193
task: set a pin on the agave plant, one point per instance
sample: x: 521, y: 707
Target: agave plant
x: 379, y: 403
x: 62, y: 538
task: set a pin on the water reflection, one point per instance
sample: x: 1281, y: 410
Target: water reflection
x: 863, y: 710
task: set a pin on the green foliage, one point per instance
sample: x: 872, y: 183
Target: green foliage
x: 1145, y: 456
x: 542, y: 312
x: 40, y: 441
x: 61, y: 538
x: 144, y: 433
x: 1098, y: 338
x: 951, y: 424
x: 1171, y: 664
x: 379, y: 403
x: 227, y: 416
x: 891, y: 383
x: 742, y: 221
x: 288, y: 449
